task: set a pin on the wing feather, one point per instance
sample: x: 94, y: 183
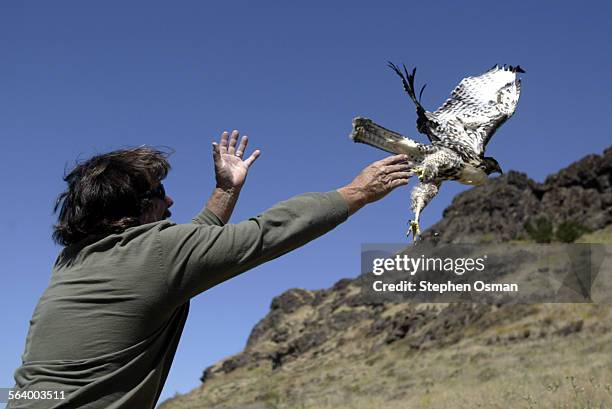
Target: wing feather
x: 478, y: 106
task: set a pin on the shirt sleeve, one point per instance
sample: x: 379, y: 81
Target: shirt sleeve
x: 196, y: 256
x: 207, y: 217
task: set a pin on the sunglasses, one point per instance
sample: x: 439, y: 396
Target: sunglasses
x: 159, y: 192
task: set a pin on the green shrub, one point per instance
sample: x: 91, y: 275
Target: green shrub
x: 569, y: 230
x: 540, y: 230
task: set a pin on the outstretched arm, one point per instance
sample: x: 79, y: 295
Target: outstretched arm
x: 230, y: 173
x: 196, y: 258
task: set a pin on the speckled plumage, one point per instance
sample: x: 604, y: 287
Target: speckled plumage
x: 459, y: 132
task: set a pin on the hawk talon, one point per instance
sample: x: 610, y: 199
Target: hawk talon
x: 419, y: 171
x: 414, y: 229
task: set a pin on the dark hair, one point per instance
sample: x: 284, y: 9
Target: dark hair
x: 107, y: 193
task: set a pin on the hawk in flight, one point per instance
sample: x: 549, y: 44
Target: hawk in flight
x: 458, y: 131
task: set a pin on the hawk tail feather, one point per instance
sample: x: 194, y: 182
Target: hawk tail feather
x: 370, y: 133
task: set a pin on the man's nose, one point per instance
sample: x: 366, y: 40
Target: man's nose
x: 169, y: 201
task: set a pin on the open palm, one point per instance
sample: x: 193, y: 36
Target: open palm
x: 230, y: 169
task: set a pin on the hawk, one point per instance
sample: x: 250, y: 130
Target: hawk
x: 458, y: 131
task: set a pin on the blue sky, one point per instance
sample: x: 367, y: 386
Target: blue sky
x: 78, y: 78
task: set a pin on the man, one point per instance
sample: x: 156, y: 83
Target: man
x: 105, y: 331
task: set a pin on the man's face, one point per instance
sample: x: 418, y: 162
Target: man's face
x: 158, y: 210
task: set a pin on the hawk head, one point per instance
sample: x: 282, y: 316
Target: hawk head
x: 490, y: 165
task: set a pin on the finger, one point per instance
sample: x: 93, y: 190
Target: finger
x: 249, y: 161
x: 400, y: 175
x: 243, y: 144
x: 223, y: 146
x: 231, y: 149
x: 398, y: 182
x: 397, y: 168
x: 391, y: 160
x: 216, y: 153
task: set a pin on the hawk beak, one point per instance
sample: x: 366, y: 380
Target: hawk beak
x: 499, y: 169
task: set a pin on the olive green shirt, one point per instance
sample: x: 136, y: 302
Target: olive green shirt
x: 106, y: 329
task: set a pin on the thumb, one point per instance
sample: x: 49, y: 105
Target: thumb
x: 252, y: 158
x: 216, y: 153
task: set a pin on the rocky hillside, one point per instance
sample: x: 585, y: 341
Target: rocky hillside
x: 343, y: 347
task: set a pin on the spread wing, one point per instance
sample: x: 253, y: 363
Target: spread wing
x: 478, y: 106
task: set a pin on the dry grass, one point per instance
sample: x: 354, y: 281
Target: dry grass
x: 574, y: 371
x: 600, y: 236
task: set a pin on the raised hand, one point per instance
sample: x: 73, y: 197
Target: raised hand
x: 230, y: 169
